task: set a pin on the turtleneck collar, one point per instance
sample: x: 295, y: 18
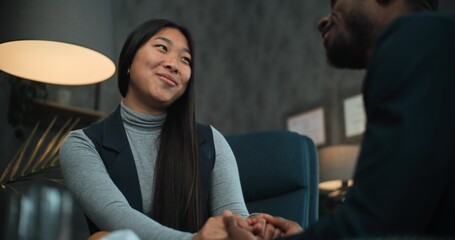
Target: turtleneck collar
x: 137, y: 121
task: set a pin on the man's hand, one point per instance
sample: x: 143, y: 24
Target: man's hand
x: 287, y: 227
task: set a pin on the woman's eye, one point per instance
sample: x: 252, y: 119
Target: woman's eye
x: 186, y: 60
x: 162, y: 47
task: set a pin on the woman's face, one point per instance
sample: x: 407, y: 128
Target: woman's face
x: 159, y: 73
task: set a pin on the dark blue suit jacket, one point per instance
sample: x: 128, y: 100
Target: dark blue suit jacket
x: 404, y: 183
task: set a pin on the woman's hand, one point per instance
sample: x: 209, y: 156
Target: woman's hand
x: 238, y: 228
x: 98, y: 235
x: 213, y: 229
x: 262, y: 228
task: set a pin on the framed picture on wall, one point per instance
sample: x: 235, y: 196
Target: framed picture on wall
x: 354, y: 118
x: 309, y: 123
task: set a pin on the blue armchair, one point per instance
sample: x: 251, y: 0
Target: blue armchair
x: 279, y: 174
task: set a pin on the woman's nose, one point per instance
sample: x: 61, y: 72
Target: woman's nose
x: 171, y: 68
x: 172, y: 65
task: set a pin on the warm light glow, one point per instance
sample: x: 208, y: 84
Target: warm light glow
x: 333, y: 185
x: 337, y: 162
x: 54, y: 62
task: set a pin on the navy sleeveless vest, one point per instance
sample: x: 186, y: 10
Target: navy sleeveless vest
x: 111, y: 142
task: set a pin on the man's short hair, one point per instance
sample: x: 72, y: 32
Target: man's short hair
x: 424, y: 5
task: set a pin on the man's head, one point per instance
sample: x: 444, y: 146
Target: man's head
x: 351, y: 30
x: 423, y: 5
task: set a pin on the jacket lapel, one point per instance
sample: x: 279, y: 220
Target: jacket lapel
x: 119, y: 160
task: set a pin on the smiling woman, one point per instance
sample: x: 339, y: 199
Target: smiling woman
x: 160, y: 72
x: 149, y: 166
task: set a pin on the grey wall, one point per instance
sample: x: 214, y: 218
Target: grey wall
x: 257, y: 62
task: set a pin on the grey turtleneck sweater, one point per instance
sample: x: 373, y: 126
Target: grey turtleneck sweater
x: 86, y: 177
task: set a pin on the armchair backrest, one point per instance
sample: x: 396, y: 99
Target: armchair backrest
x: 279, y: 174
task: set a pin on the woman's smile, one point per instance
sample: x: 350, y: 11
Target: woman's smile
x: 168, y: 79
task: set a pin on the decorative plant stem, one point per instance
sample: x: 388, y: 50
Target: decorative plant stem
x: 37, y: 155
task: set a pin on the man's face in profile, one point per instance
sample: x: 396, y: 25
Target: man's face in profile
x: 346, y: 33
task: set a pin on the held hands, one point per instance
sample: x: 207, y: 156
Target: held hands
x: 287, y: 227
x: 217, y: 228
x: 213, y: 229
x: 262, y: 228
x: 258, y: 227
x: 268, y: 227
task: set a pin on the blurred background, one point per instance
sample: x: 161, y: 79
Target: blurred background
x: 257, y: 63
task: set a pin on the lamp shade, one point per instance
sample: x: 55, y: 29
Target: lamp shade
x: 57, y: 41
x: 337, y: 162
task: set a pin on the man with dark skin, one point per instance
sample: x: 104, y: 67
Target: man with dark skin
x: 404, y: 182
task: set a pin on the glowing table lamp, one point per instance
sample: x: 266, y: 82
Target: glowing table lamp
x: 57, y: 41
x: 336, y: 167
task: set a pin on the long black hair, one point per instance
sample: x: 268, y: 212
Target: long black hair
x: 177, y: 199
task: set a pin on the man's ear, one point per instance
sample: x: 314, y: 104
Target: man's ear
x: 387, y: 3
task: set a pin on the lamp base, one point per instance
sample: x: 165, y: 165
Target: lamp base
x: 331, y: 198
